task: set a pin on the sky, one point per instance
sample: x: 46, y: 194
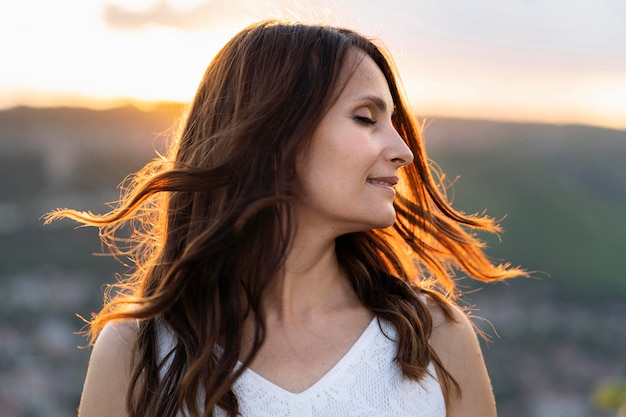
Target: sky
x: 554, y: 61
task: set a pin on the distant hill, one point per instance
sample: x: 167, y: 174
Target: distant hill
x: 561, y: 188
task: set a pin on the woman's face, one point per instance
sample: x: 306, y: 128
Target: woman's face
x: 347, y: 174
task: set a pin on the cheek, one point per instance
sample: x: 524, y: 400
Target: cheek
x: 316, y: 162
x: 309, y: 177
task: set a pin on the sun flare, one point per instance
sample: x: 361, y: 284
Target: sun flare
x: 103, y: 53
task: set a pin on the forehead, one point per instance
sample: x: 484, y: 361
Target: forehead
x: 361, y: 77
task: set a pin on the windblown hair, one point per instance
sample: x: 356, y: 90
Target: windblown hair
x: 212, y: 221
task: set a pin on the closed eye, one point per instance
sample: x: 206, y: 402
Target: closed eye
x: 364, y: 120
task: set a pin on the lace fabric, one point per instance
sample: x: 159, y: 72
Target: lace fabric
x: 366, y: 382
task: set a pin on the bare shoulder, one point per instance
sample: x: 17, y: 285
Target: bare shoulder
x: 446, y: 328
x: 108, y: 374
x: 456, y: 344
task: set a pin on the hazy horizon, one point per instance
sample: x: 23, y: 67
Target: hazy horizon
x: 561, y: 62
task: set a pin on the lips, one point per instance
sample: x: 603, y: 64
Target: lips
x: 386, y: 181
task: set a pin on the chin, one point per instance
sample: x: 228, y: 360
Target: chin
x: 383, y: 223
x: 386, y: 224
x: 384, y: 219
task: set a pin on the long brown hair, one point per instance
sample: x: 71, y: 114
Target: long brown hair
x: 211, y: 223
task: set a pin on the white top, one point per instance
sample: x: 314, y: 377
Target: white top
x: 366, y: 382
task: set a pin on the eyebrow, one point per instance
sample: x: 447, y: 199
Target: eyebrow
x: 378, y: 102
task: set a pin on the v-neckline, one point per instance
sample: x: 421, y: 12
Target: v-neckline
x: 248, y: 372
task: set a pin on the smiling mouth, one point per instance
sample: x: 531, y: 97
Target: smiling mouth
x: 384, y: 181
x: 379, y: 182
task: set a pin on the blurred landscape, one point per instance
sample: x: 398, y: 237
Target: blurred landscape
x: 559, y: 344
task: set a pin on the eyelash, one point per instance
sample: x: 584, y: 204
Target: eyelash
x: 364, y: 120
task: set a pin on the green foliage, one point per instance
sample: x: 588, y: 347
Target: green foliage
x: 610, y: 395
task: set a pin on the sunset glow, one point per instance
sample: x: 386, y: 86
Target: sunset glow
x: 106, y: 53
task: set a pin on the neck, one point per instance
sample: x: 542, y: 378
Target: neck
x: 311, y: 283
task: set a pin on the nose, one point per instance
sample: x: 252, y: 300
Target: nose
x: 399, y: 152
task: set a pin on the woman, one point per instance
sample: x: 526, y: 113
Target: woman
x: 292, y: 250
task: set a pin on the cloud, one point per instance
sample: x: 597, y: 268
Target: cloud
x: 162, y: 13
x: 219, y: 12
